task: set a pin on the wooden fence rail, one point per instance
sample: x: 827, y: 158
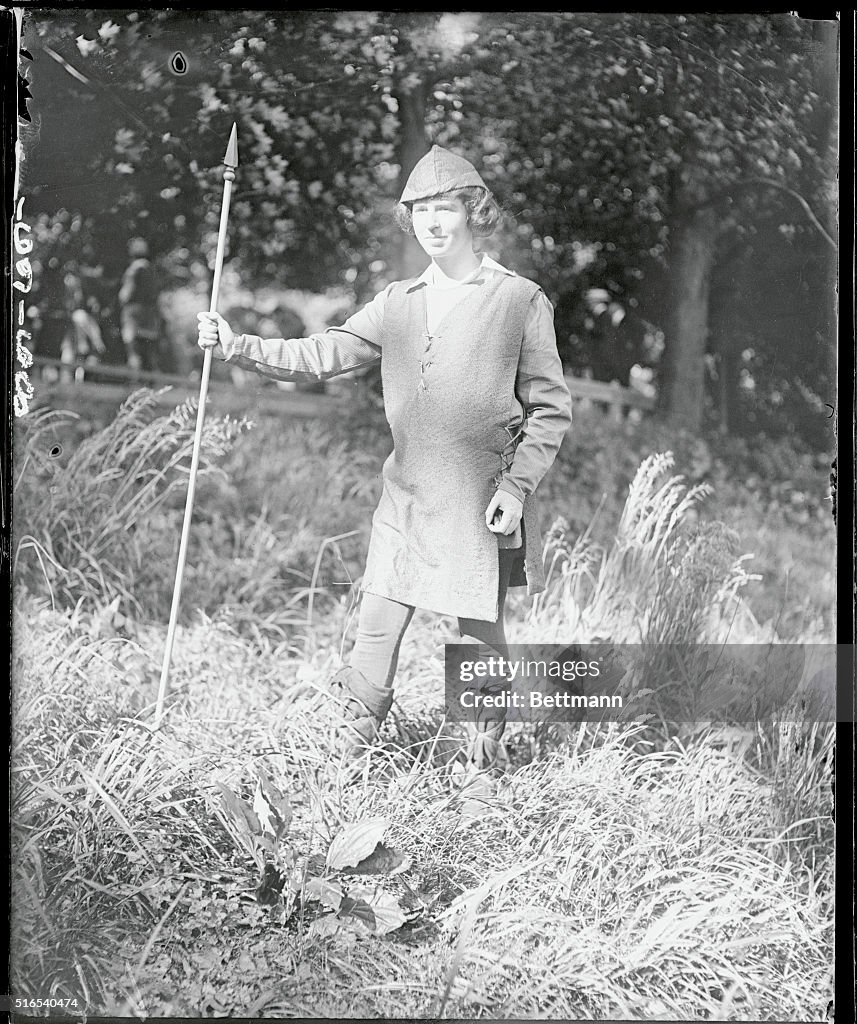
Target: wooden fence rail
x: 614, y: 395
x: 71, y: 389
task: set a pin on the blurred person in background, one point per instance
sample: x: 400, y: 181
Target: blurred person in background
x: 58, y: 295
x: 139, y: 313
x: 477, y: 404
x: 87, y: 346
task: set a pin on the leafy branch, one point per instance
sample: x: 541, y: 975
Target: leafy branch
x: 751, y: 183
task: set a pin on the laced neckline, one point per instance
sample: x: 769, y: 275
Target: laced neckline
x: 444, y: 286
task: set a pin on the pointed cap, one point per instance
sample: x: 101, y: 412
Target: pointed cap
x: 231, y: 158
x: 440, y: 171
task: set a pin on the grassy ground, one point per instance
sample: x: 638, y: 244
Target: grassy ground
x: 621, y: 870
x: 618, y: 872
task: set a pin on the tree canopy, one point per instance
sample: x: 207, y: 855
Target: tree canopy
x: 668, y: 178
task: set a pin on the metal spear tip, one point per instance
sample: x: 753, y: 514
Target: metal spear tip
x: 231, y: 158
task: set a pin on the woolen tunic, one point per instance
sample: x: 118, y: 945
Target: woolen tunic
x: 479, y: 404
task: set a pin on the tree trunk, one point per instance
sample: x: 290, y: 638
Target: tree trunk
x: 729, y: 380
x: 692, y: 241
x: 726, y: 339
x: 412, y: 146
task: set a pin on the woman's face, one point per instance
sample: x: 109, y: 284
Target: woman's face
x: 441, y: 228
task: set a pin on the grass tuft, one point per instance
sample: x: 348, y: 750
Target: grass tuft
x: 84, y: 523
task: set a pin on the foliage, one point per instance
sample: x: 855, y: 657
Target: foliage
x: 281, y: 519
x: 659, y: 129
x: 670, y: 114
x: 773, y: 494
x: 620, y: 872
x: 779, y: 478
x: 84, y: 524
x: 658, y: 582
x: 271, y: 539
x: 175, y: 871
x: 289, y: 881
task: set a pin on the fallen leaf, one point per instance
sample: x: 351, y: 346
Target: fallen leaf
x: 359, y: 910
x: 383, y: 860
x: 379, y: 911
x: 355, y: 842
x: 324, y: 927
x: 328, y: 893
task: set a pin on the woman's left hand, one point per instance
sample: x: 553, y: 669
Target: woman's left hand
x: 507, y: 510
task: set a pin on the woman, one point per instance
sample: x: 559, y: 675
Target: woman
x: 477, y: 406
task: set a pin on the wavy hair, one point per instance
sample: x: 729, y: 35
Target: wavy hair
x: 483, y: 212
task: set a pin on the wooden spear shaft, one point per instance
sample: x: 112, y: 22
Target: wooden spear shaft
x: 231, y: 162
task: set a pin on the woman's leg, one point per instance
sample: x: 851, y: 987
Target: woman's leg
x: 494, y: 633
x: 381, y: 625
x: 490, y: 724
x: 364, y: 687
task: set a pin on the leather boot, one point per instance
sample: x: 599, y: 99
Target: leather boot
x: 485, y: 750
x: 362, y: 708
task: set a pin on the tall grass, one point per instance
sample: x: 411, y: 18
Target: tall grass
x: 269, y: 548
x: 612, y: 877
x: 664, y: 577
x: 667, y: 578
x: 283, y: 546
x: 84, y: 524
x: 624, y: 871
x: 273, y: 545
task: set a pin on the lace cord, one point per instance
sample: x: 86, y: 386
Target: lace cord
x: 508, y: 453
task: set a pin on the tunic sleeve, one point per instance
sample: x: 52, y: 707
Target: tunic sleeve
x: 541, y: 389
x: 337, y: 350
